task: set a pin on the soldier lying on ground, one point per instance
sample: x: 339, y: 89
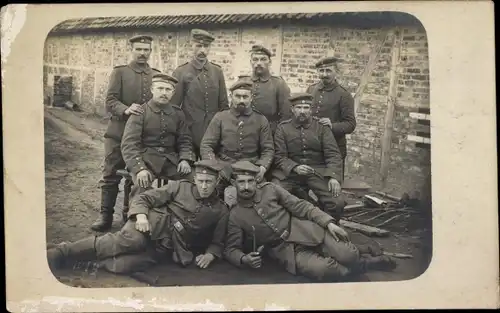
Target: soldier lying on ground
x: 157, y: 143
x: 307, y: 157
x: 239, y: 133
x: 163, y: 222
x: 301, y: 237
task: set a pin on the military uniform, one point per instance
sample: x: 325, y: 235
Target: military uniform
x: 178, y: 217
x: 201, y: 92
x: 270, y: 94
x: 292, y: 231
x: 157, y: 141
x: 336, y: 103
x: 128, y: 84
x: 308, y: 144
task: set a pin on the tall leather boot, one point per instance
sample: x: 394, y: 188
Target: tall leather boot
x: 108, y: 201
x: 127, y: 189
x: 81, y: 250
x: 376, y: 263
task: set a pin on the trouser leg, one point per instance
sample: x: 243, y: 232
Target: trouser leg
x: 109, y: 183
x: 318, y: 267
x: 333, y: 205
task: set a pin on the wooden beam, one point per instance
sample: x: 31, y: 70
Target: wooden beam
x: 367, y: 73
x: 391, y: 102
x: 365, y: 229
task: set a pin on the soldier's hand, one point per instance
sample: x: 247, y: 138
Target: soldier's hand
x: 204, y: 260
x: 303, y: 170
x: 334, y: 187
x: 144, y: 178
x: 260, y: 175
x: 142, y: 223
x: 337, y: 232
x: 253, y: 259
x: 135, y: 109
x: 184, y: 168
x: 325, y: 121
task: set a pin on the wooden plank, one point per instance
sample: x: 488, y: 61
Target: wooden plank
x: 398, y: 255
x: 391, y: 102
x: 367, y: 73
x: 354, y: 206
x: 365, y: 229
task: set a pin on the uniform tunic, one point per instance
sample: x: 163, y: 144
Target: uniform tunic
x: 337, y: 104
x: 232, y: 136
x: 287, y: 226
x: 177, y: 216
x: 127, y: 84
x: 308, y: 144
x: 270, y: 97
x: 201, y: 92
x: 156, y: 140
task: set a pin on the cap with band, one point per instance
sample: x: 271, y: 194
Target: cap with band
x: 300, y: 98
x: 201, y: 36
x: 141, y: 38
x: 325, y: 62
x: 211, y: 167
x: 261, y: 49
x: 242, y: 83
x: 160, y: 77
x: 244, y: 168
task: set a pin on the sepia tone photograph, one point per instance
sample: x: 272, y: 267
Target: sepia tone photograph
x: 237, y: 149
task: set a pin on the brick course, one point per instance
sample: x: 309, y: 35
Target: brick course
x: 90, y: 58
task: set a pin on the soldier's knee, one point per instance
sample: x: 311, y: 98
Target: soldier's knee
x: 350, y: 255
x: 328, y: 269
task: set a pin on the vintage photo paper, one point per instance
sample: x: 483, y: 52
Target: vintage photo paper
x: 232, y: 156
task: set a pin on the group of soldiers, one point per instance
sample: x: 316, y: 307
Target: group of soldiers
x: 239, y: 169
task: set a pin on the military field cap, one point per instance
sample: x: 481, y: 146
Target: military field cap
x: 300, y: 98
x: 201, y: 36
x: 242, y: 83
x: 141, y: 38
x: 244, y: 168
x: 325, y: 62
x: 261, y: 49
x: 160, y: 77
x: 212, y: 167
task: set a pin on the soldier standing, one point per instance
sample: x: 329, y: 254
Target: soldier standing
x: 270, y: 93
x: 305, y: 240
x: 157, y: 143
x: 201, y: 91
x: 129, y: 87
x: 163, y: 222
x: 240, y: 133
x: 307, y: 157
x: 333, y: 105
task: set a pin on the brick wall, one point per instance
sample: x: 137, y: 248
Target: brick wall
x: 90, y: 58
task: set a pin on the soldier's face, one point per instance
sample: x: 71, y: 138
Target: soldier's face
x: 260, y: 63
x: 245, y: 186
x: 141, y: 52
x: 302, y: 112
x: 205, y: 183
x: 201, y: 51
x: 241, y: 99
x: 162, y: 92
x: 327, y: 74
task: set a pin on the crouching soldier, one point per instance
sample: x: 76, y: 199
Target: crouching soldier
x: 163, y: 222
x: 307, y: 157
x: 301, y: 237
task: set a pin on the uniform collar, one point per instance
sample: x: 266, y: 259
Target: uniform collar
x: 297, y: 124
x: 199, y: 66
x: 263, y: 78
x: 155, y: 107
x: 328, y: 87
x: 139, y: 69
x: 236, y: 113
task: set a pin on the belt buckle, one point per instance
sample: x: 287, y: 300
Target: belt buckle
x: 178, y: 226
x: 161, y: 149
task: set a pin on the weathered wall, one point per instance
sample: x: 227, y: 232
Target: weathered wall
x: 89, y: 59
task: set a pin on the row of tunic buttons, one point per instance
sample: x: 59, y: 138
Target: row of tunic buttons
x: 144, y: 90
x: 139, y: 162
x: 259, y: 211
x: 319, y: 102
x: 240, y: 127
x: 162, y: 122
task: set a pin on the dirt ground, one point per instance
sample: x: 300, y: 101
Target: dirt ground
x: 73, y: 157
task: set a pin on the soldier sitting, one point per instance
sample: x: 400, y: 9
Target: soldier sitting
x: 158, y: 142
x: 240, y: 133
x: 301, y: 237
x: 307, y: 157
x: 163, y: 222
